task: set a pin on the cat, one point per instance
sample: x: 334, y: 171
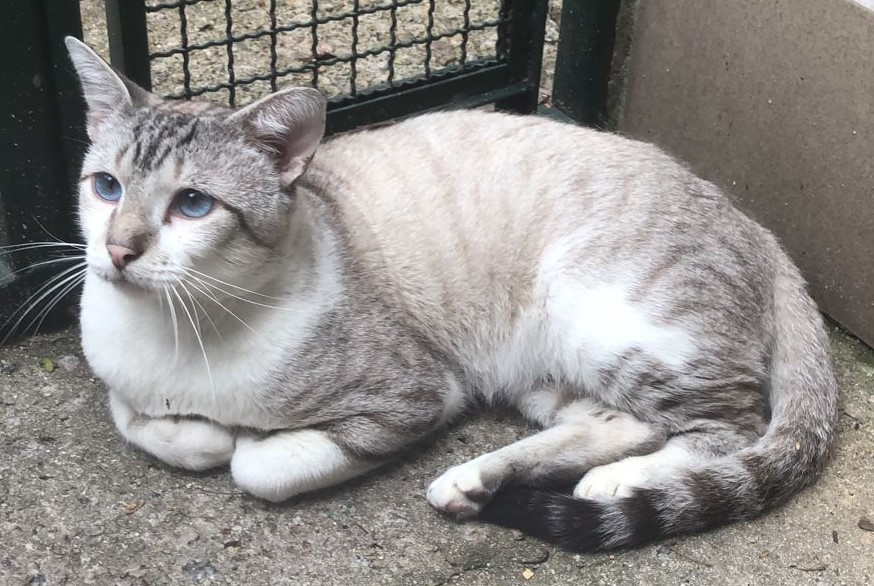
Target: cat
x: 305, y: 311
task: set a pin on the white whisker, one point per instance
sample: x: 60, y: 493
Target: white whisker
x: 49, y: 287
x: 194, y: 301
x: 13, y: 248
x: 174, y: 320
x: 206, y: 292
x: 47, y: 262
x: 66, y: 291
x: 243, y: 299
x: 219, y: 281
x: 46, y: 230
x: 197, y: 335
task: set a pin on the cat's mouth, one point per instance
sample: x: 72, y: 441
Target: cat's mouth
x: 131, y: 279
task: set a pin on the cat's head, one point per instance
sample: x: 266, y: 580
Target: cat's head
x: 171, y: 189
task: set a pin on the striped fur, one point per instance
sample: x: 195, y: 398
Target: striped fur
x: 341, y: 301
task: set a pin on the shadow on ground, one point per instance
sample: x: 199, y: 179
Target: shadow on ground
x: 79, y: 507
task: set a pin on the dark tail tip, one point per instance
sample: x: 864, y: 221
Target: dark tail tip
x: 575, y: 524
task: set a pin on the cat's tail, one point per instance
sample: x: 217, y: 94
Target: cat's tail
x: 803, y: 396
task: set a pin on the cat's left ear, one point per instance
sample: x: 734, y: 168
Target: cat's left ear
x: 289, y: 124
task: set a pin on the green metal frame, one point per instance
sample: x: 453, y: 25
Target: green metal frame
x: 512, y: 85
x: 42, y: 129
x: 582, y: 67
x: 42, y: 138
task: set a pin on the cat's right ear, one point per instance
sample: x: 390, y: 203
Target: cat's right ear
x: 106, y: 92
x: 289, y: 125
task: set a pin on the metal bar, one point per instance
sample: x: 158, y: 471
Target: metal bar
x: 274, y: 56
x: 526, y: 31
x: 314, y: 34
x: 469, y: 89
x: 353, y: 65
x: 129, y: 39
x: 582, y: 68
x: 229, y: 33
x: 186, y: 61
x: 62, y: 19
x: 429, y: 35
x: 392, y: 43
x: 42, y: 134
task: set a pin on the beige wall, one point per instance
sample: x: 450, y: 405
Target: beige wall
x: 774, y: 101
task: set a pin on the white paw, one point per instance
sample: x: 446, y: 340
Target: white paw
x: 611, y: 481
x: 188, y: 443
x: 459, y: 491
x: 285, y: 464
x: 259, y: 467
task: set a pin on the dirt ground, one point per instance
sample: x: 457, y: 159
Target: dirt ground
x: 78, y: 506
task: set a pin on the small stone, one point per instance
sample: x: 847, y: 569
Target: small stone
x: 69, y: 363
x: 9, y: 369
x: 527, y: 573
x: 199, y: 571
x: 812, y: 566
x: 866, y: 524
x: 187, y: 535
x: 534, y: 556
x: 138, y: 572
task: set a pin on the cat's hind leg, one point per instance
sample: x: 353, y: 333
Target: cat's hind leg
x: 194, y: 444
x: 582, y: 435
x: 620, y: 479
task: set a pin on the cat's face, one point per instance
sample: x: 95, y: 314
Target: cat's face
x: 164, y: 195
x: 179, y: 192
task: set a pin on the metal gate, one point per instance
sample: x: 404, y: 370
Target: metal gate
x: 334, y: 39
x: 431, y: 54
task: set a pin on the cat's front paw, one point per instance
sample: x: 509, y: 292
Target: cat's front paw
x: 460, y: 491
x: 188, y: 443
x: 194, y: 444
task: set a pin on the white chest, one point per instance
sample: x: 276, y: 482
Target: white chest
x: 130, y: 343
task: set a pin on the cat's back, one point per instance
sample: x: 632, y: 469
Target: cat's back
x: 469, y: 173
x: 459, y: 215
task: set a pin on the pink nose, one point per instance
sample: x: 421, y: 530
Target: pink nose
x: 121, y: 255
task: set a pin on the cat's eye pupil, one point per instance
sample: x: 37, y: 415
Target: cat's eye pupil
x: 107, y: 187
x: 194, y: 204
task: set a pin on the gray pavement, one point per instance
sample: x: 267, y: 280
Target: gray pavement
x: 78, y: 506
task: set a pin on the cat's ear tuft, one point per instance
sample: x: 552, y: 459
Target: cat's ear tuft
x: 106, y: 92
x: 289, y: 124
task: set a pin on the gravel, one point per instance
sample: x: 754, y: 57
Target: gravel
x: 206, y: 22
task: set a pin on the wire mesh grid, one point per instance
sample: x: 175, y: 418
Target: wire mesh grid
x: 247, y: 48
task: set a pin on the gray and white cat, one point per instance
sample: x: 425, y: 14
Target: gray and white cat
x: 305, y: 312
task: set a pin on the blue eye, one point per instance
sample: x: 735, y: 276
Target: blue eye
x: 107, y: 187
x: 193, y: 204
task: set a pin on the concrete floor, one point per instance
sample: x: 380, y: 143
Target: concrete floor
x: 77, y: 506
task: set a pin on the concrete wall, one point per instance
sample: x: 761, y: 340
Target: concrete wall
x: 774, y: 101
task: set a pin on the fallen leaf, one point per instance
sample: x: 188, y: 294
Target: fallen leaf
x: 815, y: 566
x: 131, y: 508
x: 47, y: 364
